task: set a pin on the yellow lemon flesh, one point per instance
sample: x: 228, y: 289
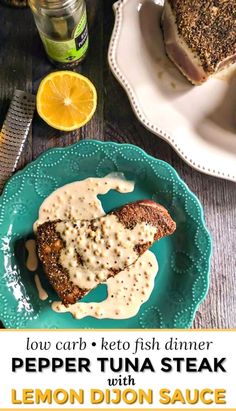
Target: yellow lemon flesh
x: 66, y: 100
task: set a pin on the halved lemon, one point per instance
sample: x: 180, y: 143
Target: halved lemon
x: 66, y: 100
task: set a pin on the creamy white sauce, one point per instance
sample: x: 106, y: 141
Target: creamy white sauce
x: 108, y: 246
x: 127, y: 291
x: 43, y: 295
x: 78, y: 200
x: 32, y: 259
x: 226, y: 74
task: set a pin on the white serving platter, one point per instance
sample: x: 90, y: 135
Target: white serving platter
x: 199, y: 122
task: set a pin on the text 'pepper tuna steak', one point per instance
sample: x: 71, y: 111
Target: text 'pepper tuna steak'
x: 77, y: 256
x: 200, y: 36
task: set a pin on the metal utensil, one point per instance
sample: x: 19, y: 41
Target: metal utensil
x: 14, y: 132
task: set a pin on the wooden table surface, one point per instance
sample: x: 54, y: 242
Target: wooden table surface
x: 23, y: 64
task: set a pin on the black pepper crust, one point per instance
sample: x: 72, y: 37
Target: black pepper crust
x: 149, y: 212
x: 50, y: 244
x: 209, y: 29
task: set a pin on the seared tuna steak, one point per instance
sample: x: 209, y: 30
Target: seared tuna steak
x: 77, y: 256
x: 200, y: 36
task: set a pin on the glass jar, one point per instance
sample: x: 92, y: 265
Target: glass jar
x: 62, y: 25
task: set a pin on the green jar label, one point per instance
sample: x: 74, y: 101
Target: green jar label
x: 70, y: 50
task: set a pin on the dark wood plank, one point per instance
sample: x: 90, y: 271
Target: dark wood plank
x: 94, y: 129
x: 24, y: 66
x: 16, y: 61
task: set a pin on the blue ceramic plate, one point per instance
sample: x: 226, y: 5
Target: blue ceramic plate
x: 184, y: 258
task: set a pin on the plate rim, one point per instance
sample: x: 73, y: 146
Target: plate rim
x: 208, y: 257
x: 118, y: 8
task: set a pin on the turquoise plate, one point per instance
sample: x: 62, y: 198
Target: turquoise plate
x: 184, y: 258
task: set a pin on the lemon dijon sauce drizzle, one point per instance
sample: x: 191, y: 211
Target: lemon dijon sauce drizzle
x: 78, y: 200
x: 105, y: 247
x: 127, y: 291
x: 32, y: 265
x: 32, y: 259
x: 129, y: 288
x: 43, y: 295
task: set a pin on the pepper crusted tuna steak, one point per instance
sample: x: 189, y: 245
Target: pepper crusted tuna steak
x: 77, y: 256
x: 200, y: 36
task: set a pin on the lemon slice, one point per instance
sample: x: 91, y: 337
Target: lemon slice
x: 66, y: 100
